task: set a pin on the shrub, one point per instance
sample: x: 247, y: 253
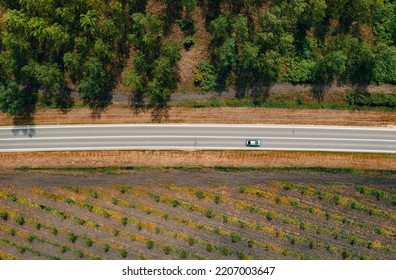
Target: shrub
x: 250, y: 243
x: 205, y: 77
x: 167, y: 250
x: 115, y: 201
x: 150, y: 244
x: 188, y: 42
x: 156, y: 197
x: 4, y: 215
x: 372, y: 99
x: 30, y: 238
x: 235, y: 238
x: 191, y: 241
x: 12, y: 197
x: 93, y: 194
x: 269, y: 216
x: 54, y: 231
x: 88, y: 242
x: 217, y: 199
x: 175, y: 202
x: 166, y: 216
x: 123, y: 253
x: 106, y: 214
x: 12, y: 232
x: 186, y: 25
x: 224, y: 251
x: 72, y: 237
x: 124, y: 221
x: 209, y: 214
x: 242, y: 224
x: 37, y: 226
x: 209, y: 247
x: 106, y: 247
x: 116, y: 232
x: 122, y: 189
x: 139, y: 226
x: 20, y: 220
x: 63, y: 249
x: 199, y: 194
x: 183, y: 254
x: 301, y: 71
x: 225, y: 219
x: 346, y: 255
x: 21, y: 249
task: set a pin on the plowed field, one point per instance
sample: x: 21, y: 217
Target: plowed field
x: 197, y: 215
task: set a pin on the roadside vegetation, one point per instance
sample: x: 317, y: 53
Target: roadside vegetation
x: 49, y: 49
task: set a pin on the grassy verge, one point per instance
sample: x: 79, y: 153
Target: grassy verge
x: 295, y: 102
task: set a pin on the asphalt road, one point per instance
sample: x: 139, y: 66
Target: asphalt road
x: 197, y: 137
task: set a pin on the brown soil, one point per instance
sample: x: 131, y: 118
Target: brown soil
x: 38, y: 191
x: 196, y: 158
x: 215, y: 115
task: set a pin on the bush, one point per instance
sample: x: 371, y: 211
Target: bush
x: 209, y: 247
x: 106, y: 247
x: 191, y: 241
x: 188, y: 42
x: 175, y: 202
x: 371, y: 99
x: 88, y: 242
x: 123, y: 253
x: 167, y: 250
x: 269, y: 216
x: 150, y: 244
x: 199, y: 194
x: 209, y: 214
x: 187, y: 25
x: 30, y: 238
x: 205, y: 77
x: 72, y: 237
x: 124, y: 221
x: 235, y: 238
x: 4, y: 215
x: 217, y: 199
x: 301, y: 71
x: 20, y: 220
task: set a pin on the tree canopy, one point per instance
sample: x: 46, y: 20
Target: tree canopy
x: 50, y: 47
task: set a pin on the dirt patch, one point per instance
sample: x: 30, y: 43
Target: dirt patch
x: 229, y: 115
x: 197, y: 158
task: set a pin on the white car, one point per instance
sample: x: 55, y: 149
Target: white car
x: 253, y: 143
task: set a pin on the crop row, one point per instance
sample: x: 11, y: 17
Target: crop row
x: 140, y: 224
x: 72, y: 237
x: 242, y: 223
x: 339, y: 200
x: 112, y: 214
x: 271, y: 215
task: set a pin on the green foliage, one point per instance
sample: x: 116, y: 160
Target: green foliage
x: 19, y: 219
x: 371, y: 99
x: 72, y: 237
x: 302, y: 71
x: 4, y: 215
x: 205, y: 77
x: 188, y: 42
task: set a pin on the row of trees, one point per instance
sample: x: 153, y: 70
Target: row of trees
x: 300, y: 41
x: 52, y: 46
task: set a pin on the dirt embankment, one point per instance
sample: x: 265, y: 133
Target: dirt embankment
x: 245, y: 115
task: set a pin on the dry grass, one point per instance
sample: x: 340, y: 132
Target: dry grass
x: 229, y: 115
x: 196, y: 158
